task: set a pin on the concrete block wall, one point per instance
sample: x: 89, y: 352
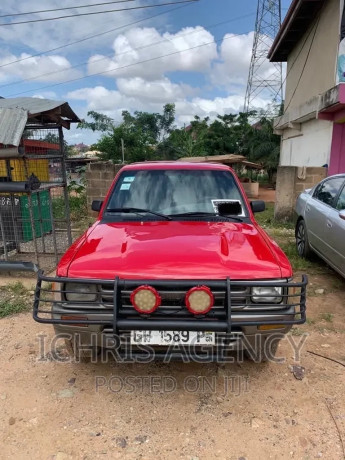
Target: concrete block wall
x: 99, y: 177
x: 291, y: 181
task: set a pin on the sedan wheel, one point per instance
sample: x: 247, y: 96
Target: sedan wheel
x: 302, y: 243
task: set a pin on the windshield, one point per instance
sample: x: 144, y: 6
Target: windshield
x: 174, y: 191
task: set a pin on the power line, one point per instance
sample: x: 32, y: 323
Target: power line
x: 304, y: 65
x: 122, y: 67
x: 66, y: 8
x: 89, y: 37
x: 292, y: 65
x: 97, y: 12
x: 126, y: 52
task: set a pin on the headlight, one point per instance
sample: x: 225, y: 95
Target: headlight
x: 199, y: 300
x: 78, y: 292
x: 267, y: 294
x: 145, y: 299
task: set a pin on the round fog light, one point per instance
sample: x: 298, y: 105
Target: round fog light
x: 145, y: 299
x: 199, y: 300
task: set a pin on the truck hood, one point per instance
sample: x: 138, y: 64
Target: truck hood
x: 174, y: 250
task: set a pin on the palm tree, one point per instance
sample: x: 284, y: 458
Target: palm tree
x: 264, y: 146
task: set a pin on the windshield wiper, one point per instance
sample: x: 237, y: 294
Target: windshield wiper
x: 206, y: 214
x: 139, y: 210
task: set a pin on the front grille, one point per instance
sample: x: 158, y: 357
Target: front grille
x: 175, y: 298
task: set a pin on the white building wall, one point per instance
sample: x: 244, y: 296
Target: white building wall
x: 311, y: 146
x: 311, y: 65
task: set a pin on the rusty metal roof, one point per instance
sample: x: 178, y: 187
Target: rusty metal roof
x: 228, y: 159
x: 38, y: 107
x: 16, y: 113
x: 12, y: 124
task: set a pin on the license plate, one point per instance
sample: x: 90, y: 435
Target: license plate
x: 172, y: 338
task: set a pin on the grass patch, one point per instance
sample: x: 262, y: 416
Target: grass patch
x: 297, y: 331
x: 328, y: 317
x: 297, y: 262
x: 17, y: 288
x: 266, y: 219
x: 283, y: 233
x: 77, y: 206
x: 310, y: 321
x: 14, y: 299
x: 9, y: 307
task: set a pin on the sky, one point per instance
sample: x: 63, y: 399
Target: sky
x: 196, y: 55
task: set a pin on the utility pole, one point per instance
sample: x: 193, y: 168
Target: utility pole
x: 123, y: 150
x: 263, y: 80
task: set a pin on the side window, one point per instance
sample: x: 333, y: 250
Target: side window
x: 328, y: 190
x: 341, y: 201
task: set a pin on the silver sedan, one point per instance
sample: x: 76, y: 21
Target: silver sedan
x: 320, y: 226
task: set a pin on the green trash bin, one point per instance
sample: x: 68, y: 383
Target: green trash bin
x: 40, y: 208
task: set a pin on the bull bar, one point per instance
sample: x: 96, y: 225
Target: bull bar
x: 291, y: 310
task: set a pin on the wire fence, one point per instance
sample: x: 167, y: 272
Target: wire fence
x: 35, y: 220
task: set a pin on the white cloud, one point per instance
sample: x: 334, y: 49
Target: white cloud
x: 53, y: 68
x: 98, y: 98
x: 46, y: 95
x: 187, y: 109
x: 235, y: 53
x: 161, y: 91
x: 233, y: 69
x: 50, y: 34
x: 135, y: 46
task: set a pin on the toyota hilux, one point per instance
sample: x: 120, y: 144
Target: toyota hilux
x: 174, y: 266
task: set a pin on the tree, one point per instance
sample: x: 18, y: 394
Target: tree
x: 100, y: 122
x: 141, y: 133
x: 153, y: 136
x: 181, y: 143
x: 264, y: 146
x: 51, y: 138
x: 227, y: 134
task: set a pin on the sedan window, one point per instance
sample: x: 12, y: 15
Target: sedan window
x: 328, y: 190
x: 341, y: 201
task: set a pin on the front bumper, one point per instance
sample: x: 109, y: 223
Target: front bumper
x: 234, y: 310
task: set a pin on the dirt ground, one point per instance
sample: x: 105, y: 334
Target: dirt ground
x: 266, y: 193
x: 61, y: 410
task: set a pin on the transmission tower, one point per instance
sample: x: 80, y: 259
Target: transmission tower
x: 264, y: 78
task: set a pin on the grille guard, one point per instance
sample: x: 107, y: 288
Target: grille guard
x: 292, y: 308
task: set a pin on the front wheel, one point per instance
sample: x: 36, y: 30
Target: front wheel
x: 264, y: 351
x: 81, y: 353
x: 302, y: 242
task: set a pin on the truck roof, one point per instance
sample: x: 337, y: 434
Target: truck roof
x: 176, y: 165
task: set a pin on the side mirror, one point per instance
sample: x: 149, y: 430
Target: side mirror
x: 96, y: 205
x: 342, y: 214
x: 258, y: 206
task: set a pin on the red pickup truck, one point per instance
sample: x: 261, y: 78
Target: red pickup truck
x: 175, y: 266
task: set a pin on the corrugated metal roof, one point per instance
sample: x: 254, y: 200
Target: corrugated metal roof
x: 226, y: 159
x: 35, y: 105
x: 12, y: 124
x: 16, y: 112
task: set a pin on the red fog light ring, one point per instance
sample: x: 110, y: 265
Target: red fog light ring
x: 140, y: 289
x: 192, y: 291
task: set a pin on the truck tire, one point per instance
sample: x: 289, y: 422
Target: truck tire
x: 263, y: 353
x: 79, y: 353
